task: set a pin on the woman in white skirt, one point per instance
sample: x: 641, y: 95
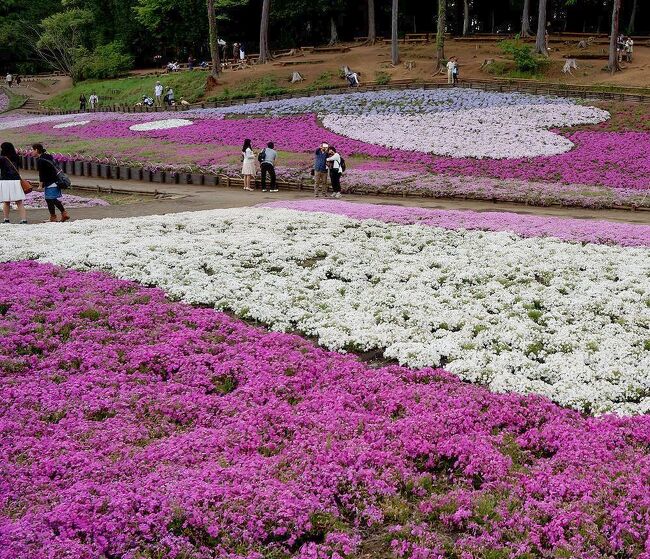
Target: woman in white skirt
x: 10, y: 189
x: 248, y: 164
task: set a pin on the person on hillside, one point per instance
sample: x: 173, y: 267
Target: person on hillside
x: 10, y: 189
x: 242, y: 52
x: 235, y: 52
x: 82, y: 102
x: 10, y: 80
x: 267, y: 163
x: 169, y: 97
x: 320, y: 170
x: 48, y: 175
x: 190, y: 62
x: 336, y: 170
x: 94, y: 101
x: 18, y: 80
x: 450, y: 71
x: 455, y: 71
x: 158, y: 93
x: 248, y: 169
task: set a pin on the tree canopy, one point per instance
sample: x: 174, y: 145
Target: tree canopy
x: 140, y: 30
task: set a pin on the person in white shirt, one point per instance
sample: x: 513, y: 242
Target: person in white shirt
x: 157, y: 93
x: 94, y: 101
x: 10, y: 80
x: 336, y: 170
x: 450, y: 70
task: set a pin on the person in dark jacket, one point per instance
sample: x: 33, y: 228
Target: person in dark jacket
x: 320, y: 170
x: 10, y: 188
x: 82, y: 102
x: 48, y: 175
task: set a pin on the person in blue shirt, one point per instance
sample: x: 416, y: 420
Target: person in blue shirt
x: 320, y: 170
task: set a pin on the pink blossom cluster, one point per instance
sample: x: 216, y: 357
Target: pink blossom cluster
x: 585, y: 231
x: 133, y: 427
x: 4, y: 101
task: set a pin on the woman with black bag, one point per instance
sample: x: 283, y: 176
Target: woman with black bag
x: 48, y: 175
x: 11, y: 189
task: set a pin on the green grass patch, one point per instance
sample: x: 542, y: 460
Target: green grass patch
x: 15, y: 101
x: 129, y: 91
x: 262, y: 87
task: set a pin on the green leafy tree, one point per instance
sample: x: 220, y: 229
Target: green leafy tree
x: 63, y: 39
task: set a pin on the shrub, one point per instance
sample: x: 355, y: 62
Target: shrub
x: 105, y: 62
x: 382, y: 78
x: 522, y: 54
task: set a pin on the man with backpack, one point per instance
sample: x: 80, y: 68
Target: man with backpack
x: 319, y: 172
x: 267, y: 159
x: 337, y: 168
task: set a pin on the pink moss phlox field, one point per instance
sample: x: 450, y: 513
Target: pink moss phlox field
x: 586, y: 231
x: 135, y: 427
x: 604, y: 158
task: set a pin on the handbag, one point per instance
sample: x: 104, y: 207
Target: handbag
x: 24, y: 183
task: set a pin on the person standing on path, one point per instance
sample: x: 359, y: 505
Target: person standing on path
x: 336, y: 170
x: 94, y: 101
x: 157, y: 94
x: 450, y: 70
x: 10, y: 80
x: 267, y: 162
x: 248, y: 169
x: 320, y: 170
x: 82, y: 102
x: 48, y: 175
x: 10, y: 188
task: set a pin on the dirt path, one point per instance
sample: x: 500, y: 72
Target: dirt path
x: 197, y: 198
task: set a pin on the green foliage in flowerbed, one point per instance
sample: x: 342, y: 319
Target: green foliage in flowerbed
x: 129, y: 91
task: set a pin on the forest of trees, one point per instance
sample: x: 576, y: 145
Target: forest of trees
x: 132, y: 32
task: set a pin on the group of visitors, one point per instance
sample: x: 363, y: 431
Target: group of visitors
x: 624, y: 48
x: 93, y: 101
x: 452, y: 70
x: 327, y: 163
x: 13, y: 189
x: 161, y: 96
x: 10, y: 79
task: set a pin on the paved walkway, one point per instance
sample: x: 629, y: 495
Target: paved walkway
x: 188, y: 198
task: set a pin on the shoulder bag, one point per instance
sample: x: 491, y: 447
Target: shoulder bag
x: 24, y: 184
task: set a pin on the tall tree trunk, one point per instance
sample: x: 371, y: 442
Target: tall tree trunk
x: 372, y: 26
x: 525, y: 19
x: 394, y: 44
x: 265, y: 53
x: 440, y: 35
x: 214, y: 45
x: 540, y: 43
x: 334, y: 34
x: 630, y: 27
x: 465, y: 18
x: 613, y: 66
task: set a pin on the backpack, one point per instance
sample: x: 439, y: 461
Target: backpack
x: 342, y: 165
x: 62, y: 180
x: 262, y: 156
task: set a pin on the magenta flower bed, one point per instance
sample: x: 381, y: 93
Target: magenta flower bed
x: 604, y: 158
x: 134, y: 427
x: 586, y: 231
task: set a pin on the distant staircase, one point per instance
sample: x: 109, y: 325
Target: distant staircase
x: 32, y: 105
